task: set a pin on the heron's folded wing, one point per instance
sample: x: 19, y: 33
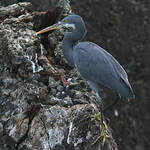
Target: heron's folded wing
x: 98, y: 66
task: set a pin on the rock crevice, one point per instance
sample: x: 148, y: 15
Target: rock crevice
x: 44, y: 103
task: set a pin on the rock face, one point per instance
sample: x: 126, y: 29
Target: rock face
x: 44, y: 103
x: 122, y: 28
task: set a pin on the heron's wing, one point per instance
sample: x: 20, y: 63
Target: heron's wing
x: 118, y: 68
x: 98, y: 66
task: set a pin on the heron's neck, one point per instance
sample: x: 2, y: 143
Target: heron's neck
x: 69, y: 41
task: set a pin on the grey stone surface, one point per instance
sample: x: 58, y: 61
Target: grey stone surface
x: 43, y: 105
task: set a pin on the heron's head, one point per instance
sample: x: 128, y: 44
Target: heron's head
x: 70, y: 22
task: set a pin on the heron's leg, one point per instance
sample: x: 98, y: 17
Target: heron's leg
x: 102, y: 136
x: 99, y: 100
x: 95, y: 88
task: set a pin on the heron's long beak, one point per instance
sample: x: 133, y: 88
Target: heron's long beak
x: 50, y: 28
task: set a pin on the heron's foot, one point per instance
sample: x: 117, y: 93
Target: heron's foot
x: 103, y: 135
x: 99, y: 101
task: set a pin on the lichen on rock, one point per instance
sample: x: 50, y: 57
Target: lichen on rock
x: 44, y: 103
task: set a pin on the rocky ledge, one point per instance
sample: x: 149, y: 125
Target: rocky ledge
x: 44, y: 103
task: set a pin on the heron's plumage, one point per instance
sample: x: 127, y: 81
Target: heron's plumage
x: 100, y: 67
x: 95, y: 64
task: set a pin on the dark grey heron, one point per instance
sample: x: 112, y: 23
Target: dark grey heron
x: 95, y: 64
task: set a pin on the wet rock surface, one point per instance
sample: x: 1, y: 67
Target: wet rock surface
x: 44, y: 103
x: 122, y: 28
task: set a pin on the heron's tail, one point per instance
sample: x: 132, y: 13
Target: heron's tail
x: 126, y: 90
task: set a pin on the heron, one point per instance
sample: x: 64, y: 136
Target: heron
x: 95, y: 64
